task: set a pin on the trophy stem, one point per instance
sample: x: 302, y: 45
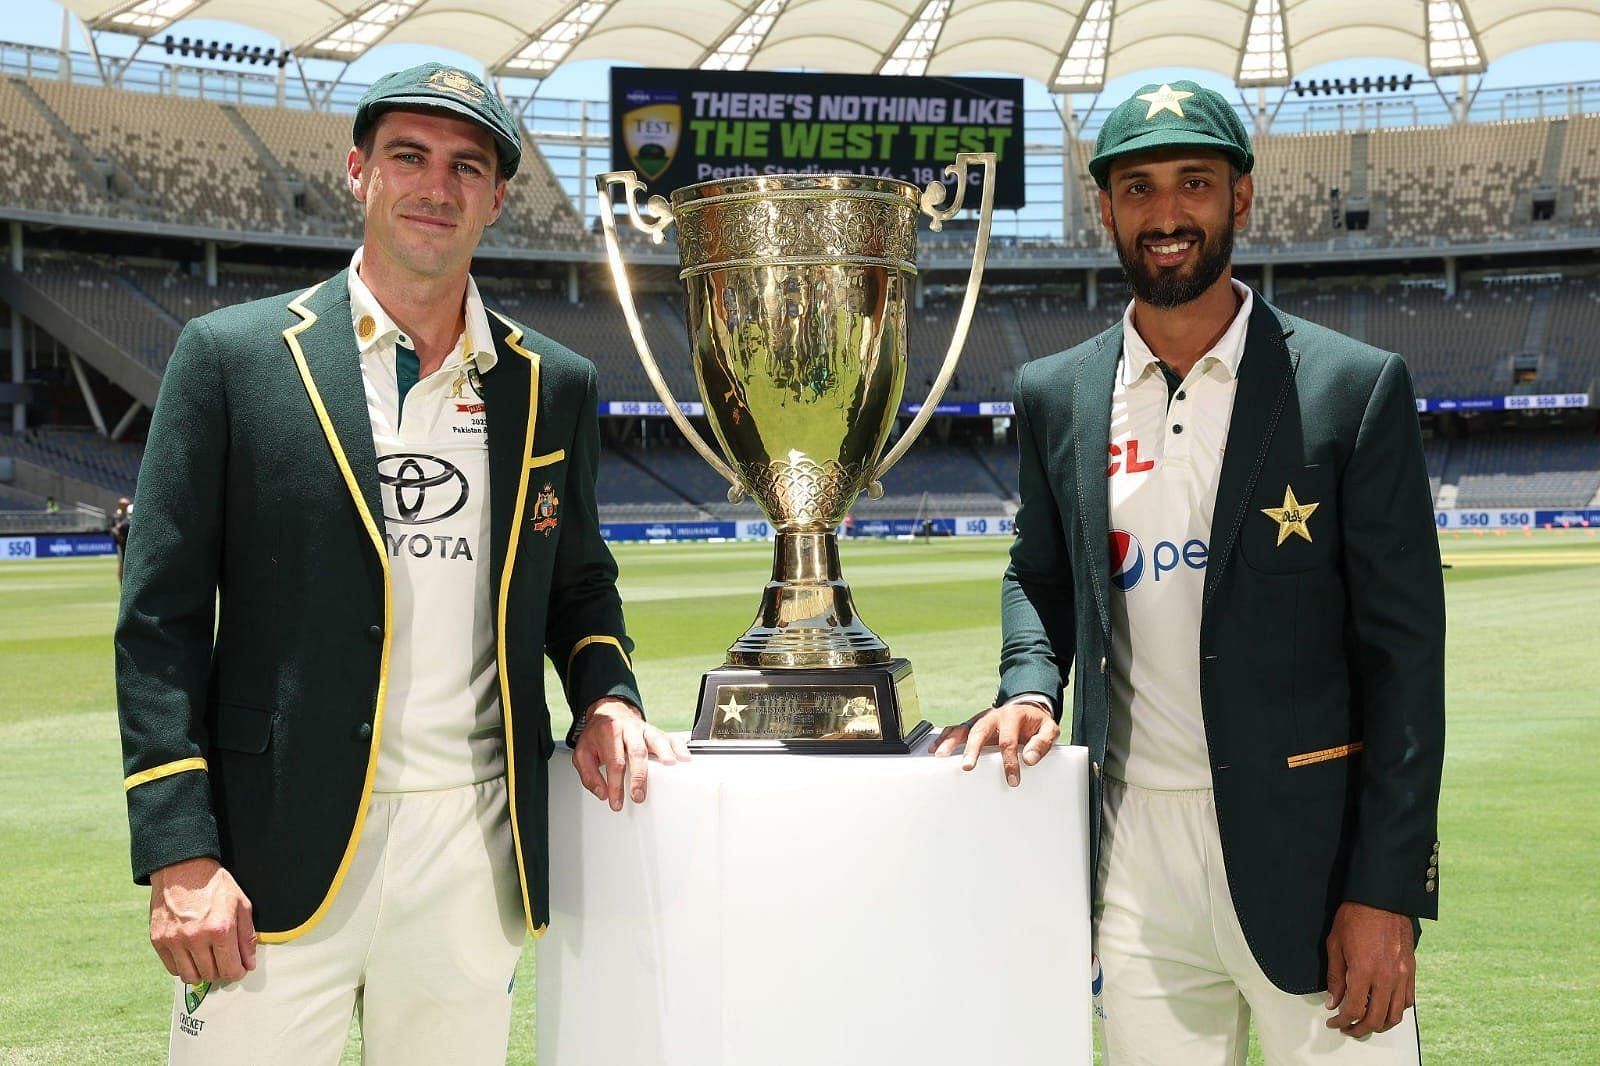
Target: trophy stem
x: 807, y: 618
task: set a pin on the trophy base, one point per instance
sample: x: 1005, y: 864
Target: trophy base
x: 868, y: 710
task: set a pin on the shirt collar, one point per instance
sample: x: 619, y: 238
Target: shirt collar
x: 1138, y: 359
x: 376, y: 332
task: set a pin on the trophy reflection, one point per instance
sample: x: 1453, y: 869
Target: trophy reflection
x: 797, y: 290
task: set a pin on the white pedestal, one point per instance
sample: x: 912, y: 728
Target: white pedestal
x: 766, y: 910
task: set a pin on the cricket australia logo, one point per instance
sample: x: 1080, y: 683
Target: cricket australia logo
x: 193, y: 996
x: 420, y: 489
x: 546, y: 510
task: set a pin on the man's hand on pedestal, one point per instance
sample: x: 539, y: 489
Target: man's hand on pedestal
x: 616, y: 740
x: 1372, y: 969
x: 1021, y: 721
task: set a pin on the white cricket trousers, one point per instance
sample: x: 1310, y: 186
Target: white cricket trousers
x: 1177, y: 985
x: 421, y: 942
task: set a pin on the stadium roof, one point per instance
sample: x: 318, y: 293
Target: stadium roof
x: 1069, y: 45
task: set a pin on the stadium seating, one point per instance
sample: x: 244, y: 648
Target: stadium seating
x: 81, y: 454
x: 37, y: 169
x: 1525, y: 470
x: 16, y: 500
x: 186, y: 161
x: 108, y: 302
x: 259, y: 169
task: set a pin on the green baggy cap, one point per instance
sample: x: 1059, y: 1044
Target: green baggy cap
x: 435, y: 85
x: 1158, y: 116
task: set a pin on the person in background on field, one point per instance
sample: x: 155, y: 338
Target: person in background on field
x: 119, y: 530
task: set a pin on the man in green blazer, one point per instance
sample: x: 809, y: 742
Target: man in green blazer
x: 1226, y: 533
x: 366, y: 513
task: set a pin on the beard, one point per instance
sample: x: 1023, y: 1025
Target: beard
x: 1168, y: 287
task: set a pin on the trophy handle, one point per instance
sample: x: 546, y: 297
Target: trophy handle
x: 656, y: 227
x: 932, y: 197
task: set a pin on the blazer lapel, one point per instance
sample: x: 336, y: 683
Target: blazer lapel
x: 324, y: 348
x: 1266, y: 373
x: 511, y: 403
x: 1095, y: 375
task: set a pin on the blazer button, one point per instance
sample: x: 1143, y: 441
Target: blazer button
x: 375, y: 633
x: 1432, y: 885
x: 364, y: 731
x: 1096, y: 768
x: 1102, y: 664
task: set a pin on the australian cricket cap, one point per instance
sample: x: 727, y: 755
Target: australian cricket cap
x: 435, y: 85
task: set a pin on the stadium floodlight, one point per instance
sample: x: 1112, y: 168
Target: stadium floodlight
x: 915, y: 47
x: 1264, y: 59
x: 144, y: 18
x: 352, y: 37
x: 739, y: 47
x: 541, y: 53
x: 1452, y: 43
x: 1083, y: 61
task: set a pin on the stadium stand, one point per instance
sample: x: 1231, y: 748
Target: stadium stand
x: 82, y: 454
x: 73, y: 149
x: 1525, y: 469
x: 16, y: 500
x: 108, y: 302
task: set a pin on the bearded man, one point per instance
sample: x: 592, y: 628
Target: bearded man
x: 1226, y: 527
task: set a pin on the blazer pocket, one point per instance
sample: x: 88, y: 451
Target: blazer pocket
x: 243, y: 729
x: 1292, y: 524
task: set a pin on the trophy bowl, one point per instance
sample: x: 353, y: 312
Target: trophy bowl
x: 797, y: 287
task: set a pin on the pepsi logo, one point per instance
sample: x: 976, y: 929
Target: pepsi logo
x: 1127, y: 560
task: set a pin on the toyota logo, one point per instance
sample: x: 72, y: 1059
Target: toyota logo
x: 422, y: 488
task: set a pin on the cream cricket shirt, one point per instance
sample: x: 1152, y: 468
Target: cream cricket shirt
x: 1165, y: 456
x: 441, y: 721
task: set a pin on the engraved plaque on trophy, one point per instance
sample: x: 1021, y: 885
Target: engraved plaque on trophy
x: 797, y: 291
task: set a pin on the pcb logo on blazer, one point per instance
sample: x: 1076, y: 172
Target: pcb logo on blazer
x: 420, y: 489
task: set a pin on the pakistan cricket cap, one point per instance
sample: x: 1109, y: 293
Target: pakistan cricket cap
x: 1158, y: 116
x: 449, y: 89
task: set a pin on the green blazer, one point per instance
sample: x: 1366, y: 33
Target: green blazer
x: 252, y: 648
x: 1321, y: 660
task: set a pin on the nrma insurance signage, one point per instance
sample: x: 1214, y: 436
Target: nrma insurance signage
x: 679, y: 127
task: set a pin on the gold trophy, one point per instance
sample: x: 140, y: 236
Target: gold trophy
x: 797, y: 292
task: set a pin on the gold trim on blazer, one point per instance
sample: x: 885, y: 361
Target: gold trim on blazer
x: 166, y: 769
x: 1325, y: 755
x: 599, y: 639
x: 292, y: 337
x: 511, y: 342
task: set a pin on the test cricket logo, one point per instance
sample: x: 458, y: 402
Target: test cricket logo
x: 650, y: 129
x: 546, y: 510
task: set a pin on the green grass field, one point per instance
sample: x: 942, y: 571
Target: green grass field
x: 1510, y: 975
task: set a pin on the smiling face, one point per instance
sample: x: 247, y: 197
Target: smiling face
x: 1172, y: 215
x: 429, y: 184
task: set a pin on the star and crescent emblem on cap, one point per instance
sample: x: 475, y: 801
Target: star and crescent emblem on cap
x: 1291, y: 517
x: 1165, y: 98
